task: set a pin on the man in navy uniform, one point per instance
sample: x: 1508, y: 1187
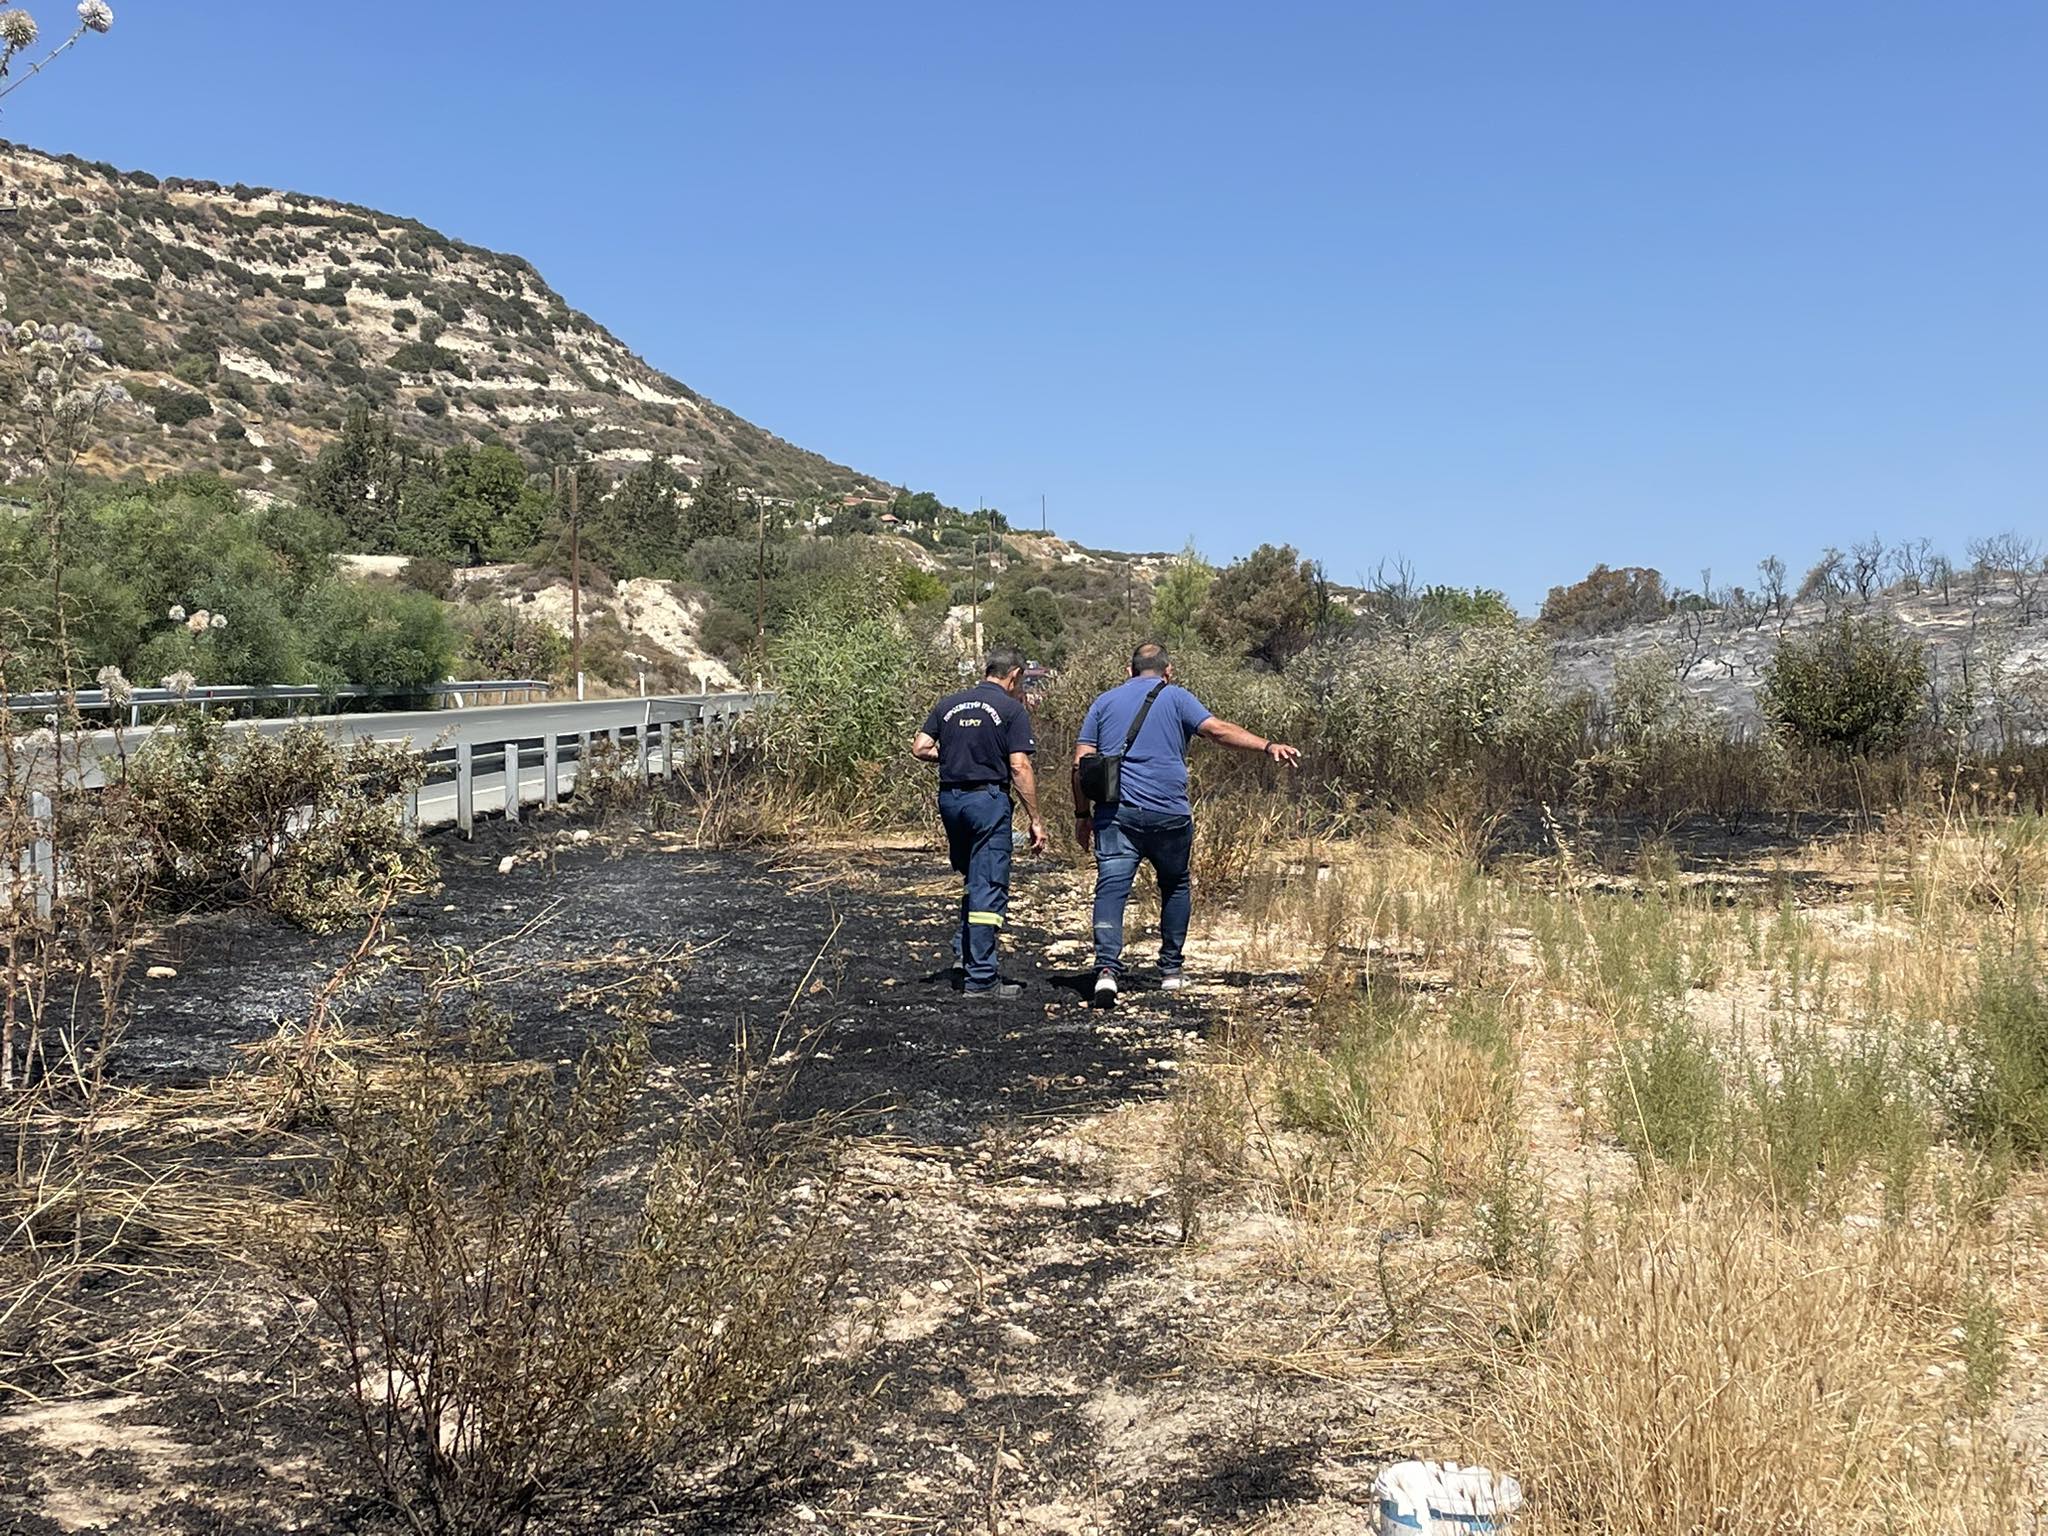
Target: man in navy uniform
x: 982, y: 741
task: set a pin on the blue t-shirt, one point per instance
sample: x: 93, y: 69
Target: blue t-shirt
x: 977, y: 729
x: 1155, y: 771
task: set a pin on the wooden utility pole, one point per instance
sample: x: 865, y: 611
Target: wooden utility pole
x: 575, y: 583
x: 761, y: 578
x: 975, y: 547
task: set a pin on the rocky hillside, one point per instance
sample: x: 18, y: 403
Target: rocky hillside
x: 245, y: 321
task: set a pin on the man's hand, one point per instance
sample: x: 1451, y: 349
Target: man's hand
x: 1039, y: 841
x: 1084, y: 831
x: 924, y: 748
x: 1286, y: 756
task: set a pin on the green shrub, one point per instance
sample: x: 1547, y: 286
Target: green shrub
x: 1996, y: 1081
x: 1404, y: 718
x: 424, y: 357
x: 915, y: 586
x: 850, y: 688
x: 423, y: 573
x: 1268, y: 607
x: 174, y: 407
x: 1667, y: 1094
x: 1824, y: 1113
x: 1459, y: 606
x: 381, y: 636
x: 1855, y: 687
x: 499, y: 641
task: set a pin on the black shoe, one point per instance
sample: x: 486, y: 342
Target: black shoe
x: 1003, y: 991
x: 1105, y: 990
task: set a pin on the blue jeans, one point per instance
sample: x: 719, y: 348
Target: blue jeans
x: 977, y: 825
x: 1125, y: 836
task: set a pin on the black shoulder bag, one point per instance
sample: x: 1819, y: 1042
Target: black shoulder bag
x: 1102, y: 773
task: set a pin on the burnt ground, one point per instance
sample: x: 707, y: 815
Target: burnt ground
x: 1038, y: 1354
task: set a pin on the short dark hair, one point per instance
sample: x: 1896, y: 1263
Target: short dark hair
x: 1149, y: 657
x: 1002, y: 661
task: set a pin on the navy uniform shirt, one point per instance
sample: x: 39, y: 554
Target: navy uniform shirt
x: 977, y: 729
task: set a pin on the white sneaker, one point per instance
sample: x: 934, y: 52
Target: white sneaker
x: 1105, y: 989
x: 1172, y: 981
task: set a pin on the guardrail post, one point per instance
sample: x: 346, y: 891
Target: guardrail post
x: 550, y: 769
x: 42, y: 863
x: 511, y: 781
x: 668, y: 750
x: 640, y: 751
x: 465, y: 790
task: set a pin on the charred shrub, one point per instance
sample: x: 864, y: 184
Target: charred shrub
x: 525, y: 1320
x: 299, y: 823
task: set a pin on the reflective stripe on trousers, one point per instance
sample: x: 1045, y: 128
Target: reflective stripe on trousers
x: 977, y: 823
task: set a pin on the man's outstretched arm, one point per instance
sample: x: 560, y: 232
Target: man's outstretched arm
x: 1225, y: 734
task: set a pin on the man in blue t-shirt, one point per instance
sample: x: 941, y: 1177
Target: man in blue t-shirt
x: 1151, y: 821
x: 981, y: 739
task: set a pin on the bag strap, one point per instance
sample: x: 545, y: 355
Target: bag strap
x: 1138, y: 724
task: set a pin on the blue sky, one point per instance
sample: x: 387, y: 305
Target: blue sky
x: 1506, y: 289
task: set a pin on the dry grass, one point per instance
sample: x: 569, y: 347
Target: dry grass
x: 1710, y: 1369
x: 1828, y: 1319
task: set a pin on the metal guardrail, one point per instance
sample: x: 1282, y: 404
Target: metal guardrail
x: 481, y: 760
x: 92, y: 700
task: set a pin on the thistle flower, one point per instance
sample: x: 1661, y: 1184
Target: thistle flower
x: 95, y: 15
x: 116, y: 684
x: 17, y: 30
x: 177, y: 613
x: 218, y: 621
x: 181, y: 683
x: 197, y: 623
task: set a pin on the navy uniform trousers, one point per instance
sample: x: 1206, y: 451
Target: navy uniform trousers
x: 977, y: 825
